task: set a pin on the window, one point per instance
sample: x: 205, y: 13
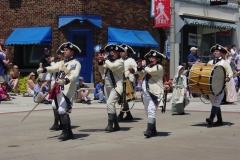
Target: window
x: 33, y: 53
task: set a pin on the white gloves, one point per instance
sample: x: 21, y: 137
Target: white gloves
x: 61, y: 81
x: 40, y: 70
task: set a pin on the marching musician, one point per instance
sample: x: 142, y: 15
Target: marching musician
x: 153, y: 89
x: 113, y: 83
x: 217, y: 51
x: 57, y: 118
x: 130, y: 66
x: 68, y: 70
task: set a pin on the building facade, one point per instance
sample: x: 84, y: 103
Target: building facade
x: 82, y: 22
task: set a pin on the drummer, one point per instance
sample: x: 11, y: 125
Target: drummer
x: 217, y: 51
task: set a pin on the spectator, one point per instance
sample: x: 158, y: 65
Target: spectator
x: 82, y: 92
x: 14, y: 79
x: 139, y: 85
x: 98, y: 92
x: 30, y: 84
x: 2, y: 47
x: 3, y: 92
x: 4, y: 61
x: 233, y: 52
x: 192, y: 57
x: 40, y: 89
x: 45, y: 62
x: 237, y: 62
x: 235, y: 78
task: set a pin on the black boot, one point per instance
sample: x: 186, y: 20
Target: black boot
x: 55, y: 126
x: 212, y: 115
x: 109, y: 127
x: 128, y: 117
x: 120, y: 116
x: 219, y: 121
x: 154, y: 130
x: 64, y: 132
x: 148, y: 132
x: 116, y: 125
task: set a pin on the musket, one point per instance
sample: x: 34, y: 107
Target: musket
x: 55, y: 84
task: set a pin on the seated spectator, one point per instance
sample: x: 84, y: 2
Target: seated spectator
x: 30, y: 85
x: 98, y: 92
x: 3, y: 92
x: 14, y: 79
x: 82, y: 92
x: 40, y: 89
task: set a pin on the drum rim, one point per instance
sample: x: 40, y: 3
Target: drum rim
x: 224, y: 72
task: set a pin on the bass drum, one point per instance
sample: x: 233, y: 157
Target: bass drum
x: 206, y: 79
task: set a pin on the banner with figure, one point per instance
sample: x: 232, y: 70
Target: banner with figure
x: 162, y: 13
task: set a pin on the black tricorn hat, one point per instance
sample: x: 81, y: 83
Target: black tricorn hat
x: 218, y: 47
x: 59, y: 50
x: 114, y: 47
x: 127, y: 48
x: 154, y: 53
x: 70, y: 46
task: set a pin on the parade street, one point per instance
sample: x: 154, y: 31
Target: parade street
x: 179, y: 137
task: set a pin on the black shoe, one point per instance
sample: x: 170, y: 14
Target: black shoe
x: 96, y: 98
x: 109, y: 127
x: 55, y: 127
x: 148, y: 132
x: 209, y: 121
x: 88, y: 102
x: 116, y: 125
x: 218, y: 123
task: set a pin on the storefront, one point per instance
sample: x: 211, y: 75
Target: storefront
x: 206, y: 26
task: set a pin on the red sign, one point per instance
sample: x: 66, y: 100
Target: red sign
x: 162, y: 13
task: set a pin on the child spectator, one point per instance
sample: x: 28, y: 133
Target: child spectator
x: 180, y: 92
x: 14, y: 79
x: 30, y: 84
x: 3, y: 92
x: 82, y: 92
x: 139, y: 85
x: 98, y: 92
x: 40, y: 89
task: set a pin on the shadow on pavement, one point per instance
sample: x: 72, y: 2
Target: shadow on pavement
x: 77, y: 136
x: 204, y: 124
x: 92, y: 130
x: 131, y: 121
x: 163, y: 134
x: 73, y: 127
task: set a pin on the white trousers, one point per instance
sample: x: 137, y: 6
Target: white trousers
x: 149, y: 105
x: 62, y: 104
x: 216, y: 100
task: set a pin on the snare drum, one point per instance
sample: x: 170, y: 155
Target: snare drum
x: 206, y: 79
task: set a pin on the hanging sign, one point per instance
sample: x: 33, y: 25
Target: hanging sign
x: 162, y: 13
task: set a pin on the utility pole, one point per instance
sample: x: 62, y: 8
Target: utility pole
x: 173, y: 61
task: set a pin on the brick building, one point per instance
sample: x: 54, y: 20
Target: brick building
x: 86, y: 25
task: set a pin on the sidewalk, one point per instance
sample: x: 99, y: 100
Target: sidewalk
x: 21, y: 104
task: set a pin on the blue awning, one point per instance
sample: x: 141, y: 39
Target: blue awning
x: 131, y: 37
x: 95, y: 20
x: 35, y: 35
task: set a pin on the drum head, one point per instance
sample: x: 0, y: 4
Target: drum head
x: 218, y: 80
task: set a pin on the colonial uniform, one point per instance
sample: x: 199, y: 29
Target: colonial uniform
x: 113, y: 87
x: 128, y: 63
x: 153, y: 90
x: 68, y: 71
x: 216, y: 100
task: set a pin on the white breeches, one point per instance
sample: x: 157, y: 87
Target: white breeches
x: 62, y: 104
x: 149, y: 105
x: 216, y: 100
x: 111, y: 101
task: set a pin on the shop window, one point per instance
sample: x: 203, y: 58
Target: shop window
x: 32, y: 54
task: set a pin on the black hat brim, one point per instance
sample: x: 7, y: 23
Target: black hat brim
x: 218, y: 47
x: 114, y: 47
